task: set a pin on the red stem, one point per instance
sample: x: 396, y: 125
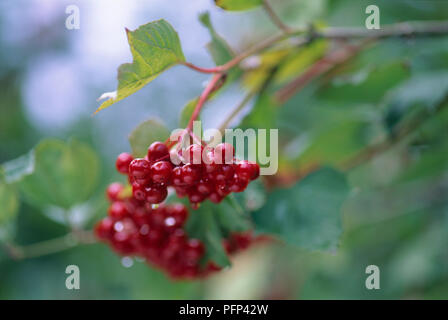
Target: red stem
x: 203, y: 98
x: 217, y: 69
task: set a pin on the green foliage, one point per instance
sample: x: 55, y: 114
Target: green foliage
x: 308, y: 214
x: 212, y: 223
x: 238, y: 5
x: 65, y: 174
x: 218, y: 47
x: 155, y: 47
x: 9, y: 203
x: 15, y: 170
x: 146, y: 133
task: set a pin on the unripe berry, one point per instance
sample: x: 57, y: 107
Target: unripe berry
x: 123, y: 161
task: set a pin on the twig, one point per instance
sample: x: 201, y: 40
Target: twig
x: 203, y: 98
x: 46, y: 247
x: 335, y: 57
x: 275, y: 18
x: 235, y: 111
x: 414, y: 28
x: 401, y: 133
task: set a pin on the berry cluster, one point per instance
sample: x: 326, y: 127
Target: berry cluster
x: 134, y: 228
x: 199, y: 173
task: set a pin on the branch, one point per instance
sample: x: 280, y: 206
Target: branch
x: 209, y: 89
x: 320, y: 67
x: 235, y: 111
x: 415, y: 28
x: 401, y: 133
x: 51, y: 246
x: 275, y: 18
x: 402, y: 29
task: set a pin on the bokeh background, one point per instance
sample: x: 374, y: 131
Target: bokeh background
x: 50, y: 78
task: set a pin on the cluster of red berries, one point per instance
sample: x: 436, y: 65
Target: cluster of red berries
x: 199, y: 173
x: 135, y: 228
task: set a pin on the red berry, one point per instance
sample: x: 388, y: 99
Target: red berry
x: 247, y: 170
x: 181, y: 191
x: 138, y: 191
x: 215, y: 197
x: 140, y: 170
x: 194, y: 250
x: 177, y: 176
x: 156, y: 219
x: 238, y: 184
x: 225, y: 173
x: 190, y: 174
x: 204, y: 187
x: 196, y: 197
x: 123, y: 161
x: 105, y: 228
x: 157, y: 151
x: 209, y: 162
x: 156, y: 195
x: 179, y: 212
x: 161, y: 172
x: 224, y: 153
x: 193, y: 154
x: 113, y: 191
x: 117, y: 210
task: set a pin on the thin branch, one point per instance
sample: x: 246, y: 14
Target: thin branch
x: 400, y: 134
x: 211, y: 86
x: 414, y: 28
x: 275, y: 18
x: 235, y: 111
x: 410, y: 28
x: 51, y: 246
x: 333, y: 58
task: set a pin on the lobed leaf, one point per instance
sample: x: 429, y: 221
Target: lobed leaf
x: 155, y: 47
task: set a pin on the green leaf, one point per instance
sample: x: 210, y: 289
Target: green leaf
x: 204, y: 225
x: 9, y: 203
x: 15, y: 170
x: 218, y: 47
x: 238, y: 5
x: 146, y: 133
x: 425, y: 90
x: 212, y: 223
x: 155, y: 47
x: 64, y: 174
x: 308, y: 214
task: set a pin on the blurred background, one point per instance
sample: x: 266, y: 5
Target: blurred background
x: 50, y: 78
